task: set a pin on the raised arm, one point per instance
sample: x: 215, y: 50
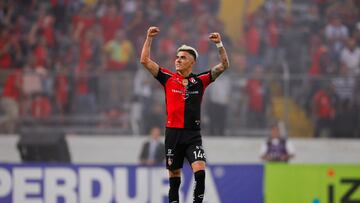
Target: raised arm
x: 145, y: 59
x: 224, y: 61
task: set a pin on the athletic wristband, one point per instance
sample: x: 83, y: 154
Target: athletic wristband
x: 220, y: 44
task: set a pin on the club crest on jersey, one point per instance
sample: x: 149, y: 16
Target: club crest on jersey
x: 192, y: 80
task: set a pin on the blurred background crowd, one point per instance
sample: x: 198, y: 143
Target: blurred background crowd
x: 74, y: 65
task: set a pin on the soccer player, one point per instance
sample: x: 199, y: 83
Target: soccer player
x: 183, y: 95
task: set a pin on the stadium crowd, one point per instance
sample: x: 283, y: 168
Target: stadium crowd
x: 76, y: 61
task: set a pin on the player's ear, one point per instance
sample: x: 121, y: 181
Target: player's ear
x: 193, y: 61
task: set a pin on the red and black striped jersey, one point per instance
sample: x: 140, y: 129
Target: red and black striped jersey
x: 183, y: 96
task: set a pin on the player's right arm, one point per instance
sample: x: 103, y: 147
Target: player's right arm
x: 145, y: 59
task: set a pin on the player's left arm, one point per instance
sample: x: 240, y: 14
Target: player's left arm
x: 224, y: 60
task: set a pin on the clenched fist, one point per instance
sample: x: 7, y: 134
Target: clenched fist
x: 215, y: 37
x: 153, y: 31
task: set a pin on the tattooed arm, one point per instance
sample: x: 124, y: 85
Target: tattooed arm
x: 224, y: 61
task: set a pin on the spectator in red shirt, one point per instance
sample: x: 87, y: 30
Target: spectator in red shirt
x: 85, y: 100
x: 40, y: 44
x: 90, y: 47
x: 45, y: 26
x: 255, y: 89
x: 83, y: 22
x: 253, y: 40
x: 86, y: 49
x: 41, y: 107
x: 324, y: 111
x: 319, y: 54
x: 111, y: 22
x: 9, y: 102
x: 61, y: 88
x: 5, y: 47
x: 41, y: 53
x: 272, y: 54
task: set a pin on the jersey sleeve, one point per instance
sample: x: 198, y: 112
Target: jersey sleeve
x: 163, y: 75
x: 206, y: 78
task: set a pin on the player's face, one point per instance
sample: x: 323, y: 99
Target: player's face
x: 183, y: 61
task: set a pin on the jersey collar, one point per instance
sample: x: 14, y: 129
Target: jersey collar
x: 187, y: 77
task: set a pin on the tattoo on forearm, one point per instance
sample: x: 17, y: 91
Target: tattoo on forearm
x: 224, y: 57
x: 221, y: 67
x: 216, y: 71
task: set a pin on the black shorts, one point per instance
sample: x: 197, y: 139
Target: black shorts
x: 180, y: 144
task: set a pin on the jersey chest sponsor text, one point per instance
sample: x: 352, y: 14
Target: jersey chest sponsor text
x: 177, y: 90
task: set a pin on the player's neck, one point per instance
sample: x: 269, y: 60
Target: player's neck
x: 185, y: 73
